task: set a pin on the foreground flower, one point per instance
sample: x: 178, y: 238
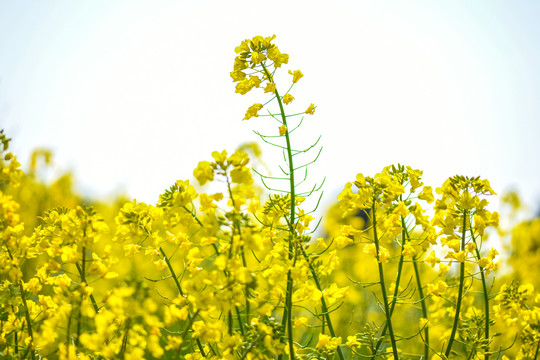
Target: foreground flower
x: 253, y: 111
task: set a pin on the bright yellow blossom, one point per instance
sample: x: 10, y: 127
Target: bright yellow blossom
x: 253, y: 111
x: 297, y: 75
x: 288, y: 98
x: 270, y: 87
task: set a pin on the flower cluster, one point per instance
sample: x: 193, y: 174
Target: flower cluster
x: 223, y: 268
x: 255, y: 66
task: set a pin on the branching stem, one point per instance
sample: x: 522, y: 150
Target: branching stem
x: 387, y: 312
x: 460, y: 290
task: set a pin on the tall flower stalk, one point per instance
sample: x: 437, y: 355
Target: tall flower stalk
x: 260, y: 57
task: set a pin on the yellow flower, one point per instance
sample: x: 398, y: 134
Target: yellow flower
x: 443, y: 269
x: 437, y: 289
x: 426, y: 194
x: 220, y: 157
x: 277, y: 57
x: 460, y: 256
x: 328, y: 342
x: 270, y: 87
x: 257, y: 58
x: 252, y: 111
x: 282, y: 130
x: 204, y: 172
x: 384, y: 254
x: 238, y: 75
x: 241, y: 175
x: 297, y: 75
x: 352, y: 341
x: 160, y: 264
x: 243, y: 47
x: 323, y: 341
x: 288, y: 98
x: 310, y: 110
x: 492, y: 253
x: 470, y: 247
x: 342, y: 241
x: 408, y: 250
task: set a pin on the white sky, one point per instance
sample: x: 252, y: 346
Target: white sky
x: 130, y: 95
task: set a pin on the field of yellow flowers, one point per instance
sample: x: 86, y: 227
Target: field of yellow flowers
x: 404, y: 270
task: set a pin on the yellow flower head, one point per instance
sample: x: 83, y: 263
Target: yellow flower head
x: 297, y: 75
x: 288, y: 98
x: 253, y: 111
x: 310, y: 110
x: 270, y: 87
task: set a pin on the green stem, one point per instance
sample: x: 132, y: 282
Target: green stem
x: 68, y: 328
x: 236, y: 228
x: 289, y: 321
x: 323, y: 302
x: 422, y: 298
x: 184, y: 334
x: 424, y: 308
x: 460, y: 291
x: 248, y: 308
x: 83, y: 281
x: 486, y: 309
x: 396, y: 289
x: 173, y: 274
x: 122, y: 353
x: 28, y: 322
x: 92, y: 298
x: 383, y: 286
x: 288, y: 297
x: 193, y: 215
x: 486, y: 299
x: 16, y: 338
x: 239, y: 317
x: 26, y: 313
x: 177, y: 282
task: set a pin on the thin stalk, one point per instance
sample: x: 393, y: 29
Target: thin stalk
x: 68, y: 328
x: 323, y: 302
x: 422, y: 298
x: 289, y: 316
x: 26, y: 313
x: 249, y: 347
x: 173, y: 274
x: 16, y: 338
x: 383, y: 286
x: 424, y: 308
x: 92, y: 298
x: 239, y: 317
x: 486, y: 309
x: 248, y: 308
x: 287, y: 311
x: 28, y: 322
x: 396, y: 290
x: 236, y: 228
x: 460, y: 291
x: 83, y: 281
x: 486, y: 300
x: 175, y: 278
x: 184, y: 334
x: 122, y: 353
